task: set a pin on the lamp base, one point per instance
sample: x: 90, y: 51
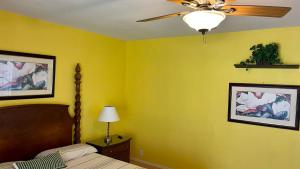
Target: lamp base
x: 107, y: 140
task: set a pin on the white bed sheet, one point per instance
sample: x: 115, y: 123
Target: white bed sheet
x: 98, y: 161
x: 91, y: 161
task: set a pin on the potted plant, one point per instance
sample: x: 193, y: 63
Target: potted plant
x: 263, y: 55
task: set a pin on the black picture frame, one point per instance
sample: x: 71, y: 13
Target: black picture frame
x: 30, y: 58
x: 236, y: 88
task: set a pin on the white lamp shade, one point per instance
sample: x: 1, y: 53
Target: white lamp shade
x: 108, y: 114
x: 206, y: 19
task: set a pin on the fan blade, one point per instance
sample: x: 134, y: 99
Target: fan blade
x: 163, y: 16
x: 251, y: 10
x: 177, y: 1
x: 228, y: 1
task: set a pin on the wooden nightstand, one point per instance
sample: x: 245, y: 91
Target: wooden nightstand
x: 119, y: 148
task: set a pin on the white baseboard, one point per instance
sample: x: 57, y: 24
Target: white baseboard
x: 149, y: 163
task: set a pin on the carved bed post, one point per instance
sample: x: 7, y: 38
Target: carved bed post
x: 77, y: 108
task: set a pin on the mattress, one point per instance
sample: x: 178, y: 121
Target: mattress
x: 98, y: 161
x: 91, y: 161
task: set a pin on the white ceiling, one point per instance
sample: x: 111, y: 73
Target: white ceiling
x: 116, y: 18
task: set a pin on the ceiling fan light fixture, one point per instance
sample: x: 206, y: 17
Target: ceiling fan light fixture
x: 204, y: 20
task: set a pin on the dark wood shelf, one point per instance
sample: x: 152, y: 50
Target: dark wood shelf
x: 267, y: 66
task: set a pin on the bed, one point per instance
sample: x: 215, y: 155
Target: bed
x: 26, y: 130
x: 97, y: 161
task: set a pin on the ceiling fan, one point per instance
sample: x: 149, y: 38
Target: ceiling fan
x: 208, y: 14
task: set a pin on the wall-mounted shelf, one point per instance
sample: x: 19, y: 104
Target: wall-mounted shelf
x: 267, y: 66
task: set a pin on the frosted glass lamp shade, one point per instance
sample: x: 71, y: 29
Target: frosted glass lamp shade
x: 204, y: 20
x: 108, y: 114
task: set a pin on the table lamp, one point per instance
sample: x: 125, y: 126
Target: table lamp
x: 108, y: 114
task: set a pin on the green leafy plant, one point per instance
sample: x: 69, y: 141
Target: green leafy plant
x: 263, y: 55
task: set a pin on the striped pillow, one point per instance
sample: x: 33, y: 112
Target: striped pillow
x: 51, y: 161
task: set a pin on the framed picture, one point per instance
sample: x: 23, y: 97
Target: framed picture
x: 26, y: 75
x: 266, y: 105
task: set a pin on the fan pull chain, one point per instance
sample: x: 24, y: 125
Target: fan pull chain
x: 204, y: 39
x: 203, y: 32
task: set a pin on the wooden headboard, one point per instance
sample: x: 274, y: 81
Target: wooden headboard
x: 26, y: 130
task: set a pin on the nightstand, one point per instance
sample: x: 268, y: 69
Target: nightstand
x: 119, y: 148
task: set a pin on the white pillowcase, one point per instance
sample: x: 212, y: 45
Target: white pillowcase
x: 70, y: 152
x: 7, y: 165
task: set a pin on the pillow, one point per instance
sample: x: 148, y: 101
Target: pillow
x: 7, y: 165
x: 70, y: 152
x: 51, y: 161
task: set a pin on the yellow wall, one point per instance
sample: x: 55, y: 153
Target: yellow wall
x: 102, y: 60
x: 176, y: 91
x: 177, y: 96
